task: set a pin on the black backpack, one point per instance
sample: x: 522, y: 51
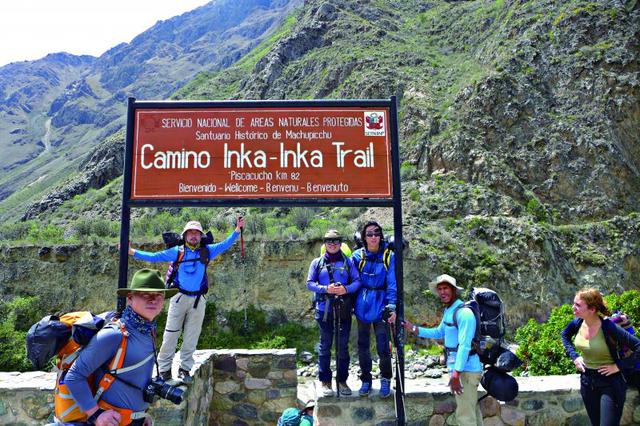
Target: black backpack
x: 488, y: 309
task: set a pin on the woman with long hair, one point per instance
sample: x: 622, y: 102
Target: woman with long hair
x: 593, y: 341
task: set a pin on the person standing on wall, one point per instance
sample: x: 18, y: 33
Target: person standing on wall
x: 597, y: 340
x: 333, y: 279
x: 186, y: 309
x: 375, y: 305
x: 465, y: 368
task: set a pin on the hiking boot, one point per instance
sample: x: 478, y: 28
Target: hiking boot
x: 385, y: 388
x: 365, y: 389
x: 344, y: 388
x: 165, y: 375
x: 325, y: 389
x: 185, y: 376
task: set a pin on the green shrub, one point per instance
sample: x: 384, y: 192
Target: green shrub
x: 18, y: 315
x: 540, y: 347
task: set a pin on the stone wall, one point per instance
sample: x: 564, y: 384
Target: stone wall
x: 229, y: 387
x: 542, y: 401
x: 252, y: 387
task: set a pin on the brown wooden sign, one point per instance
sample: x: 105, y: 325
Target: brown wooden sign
x: 261, y: 152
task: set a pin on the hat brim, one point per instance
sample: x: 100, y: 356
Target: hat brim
x: 167, y: 292
x: 433, y: 286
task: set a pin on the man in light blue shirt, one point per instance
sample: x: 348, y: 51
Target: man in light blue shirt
x: 465, y: 368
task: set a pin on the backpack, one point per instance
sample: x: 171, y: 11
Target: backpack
x: 66, y: 336
x: 290, y: 417
x: 488, y: 309
x: 626, y: 354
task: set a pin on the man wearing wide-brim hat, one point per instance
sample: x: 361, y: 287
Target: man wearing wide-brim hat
x: 465, y: 368
x: 122, y: 402
x: 187, y: 309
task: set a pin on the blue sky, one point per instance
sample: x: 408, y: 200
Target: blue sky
x: 30, y: 29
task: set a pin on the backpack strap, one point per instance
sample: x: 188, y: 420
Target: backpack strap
x: 116, y: 363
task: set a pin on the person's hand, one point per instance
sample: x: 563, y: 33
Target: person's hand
x: 240, y: 223
x: 108, y: 418
x: 579, y: 362
x: 392, y: 317
x: 454, y: 383
x: 148, y: 421
x: 409, y: 326
x: 609, y: 369
x: 331, y: 289
x: 340, y: 289
x: 130, y: 251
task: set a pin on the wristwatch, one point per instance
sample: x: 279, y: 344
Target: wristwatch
x: 92, y: 418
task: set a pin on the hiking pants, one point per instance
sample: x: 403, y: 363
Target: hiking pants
x: 327, y: 334
x: 381, y: 330
x: 181, y: 315
x: 603, y: 397
x: 468, y: 410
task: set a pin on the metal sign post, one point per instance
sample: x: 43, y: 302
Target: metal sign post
x: 265, y: 153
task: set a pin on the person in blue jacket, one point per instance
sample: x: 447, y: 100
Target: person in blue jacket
x: 186, y: 313
x: 123, y: 402
x: 375, y: 305
x: 333, y: 279
x: 465, y: 368
x: 592, y: 341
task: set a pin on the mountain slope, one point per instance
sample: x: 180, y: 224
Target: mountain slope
x: 89, y: 103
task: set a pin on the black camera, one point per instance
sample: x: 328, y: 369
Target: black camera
x: 158, y: 388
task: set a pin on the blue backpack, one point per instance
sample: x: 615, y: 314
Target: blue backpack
x: 290, y: 417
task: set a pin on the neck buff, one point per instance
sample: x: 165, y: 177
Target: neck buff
x: 134, y: 320
x: 333, y: 258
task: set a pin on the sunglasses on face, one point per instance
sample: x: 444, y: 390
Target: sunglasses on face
x: 332, y: 241
x: 373, y: 234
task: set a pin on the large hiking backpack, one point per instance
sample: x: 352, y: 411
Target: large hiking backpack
x: 488, y: 309
x: 66, y: 336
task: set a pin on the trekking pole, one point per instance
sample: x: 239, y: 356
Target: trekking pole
x: 244, y: 283
x: 337, y: 320
x: 398, y: 376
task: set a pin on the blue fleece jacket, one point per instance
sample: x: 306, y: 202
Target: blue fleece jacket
x: 374, y: 273
x: 190, y: 271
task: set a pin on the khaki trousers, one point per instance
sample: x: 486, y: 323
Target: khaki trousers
x: 181, y: 316
x: 468, y: 411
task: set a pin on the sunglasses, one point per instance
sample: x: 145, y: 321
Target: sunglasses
x: 373, y: 234
x: 332, y: 241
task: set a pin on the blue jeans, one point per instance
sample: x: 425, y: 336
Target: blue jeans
x: 603, y: 397
x: 326, y: 342
x: 381, y: 331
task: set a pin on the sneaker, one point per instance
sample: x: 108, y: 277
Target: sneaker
x: 385, y: 388
x: 344, y: 388
x: 185, y: 376
x: 365, y: 389
x: 326, y: 389
x: 165, y: 375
